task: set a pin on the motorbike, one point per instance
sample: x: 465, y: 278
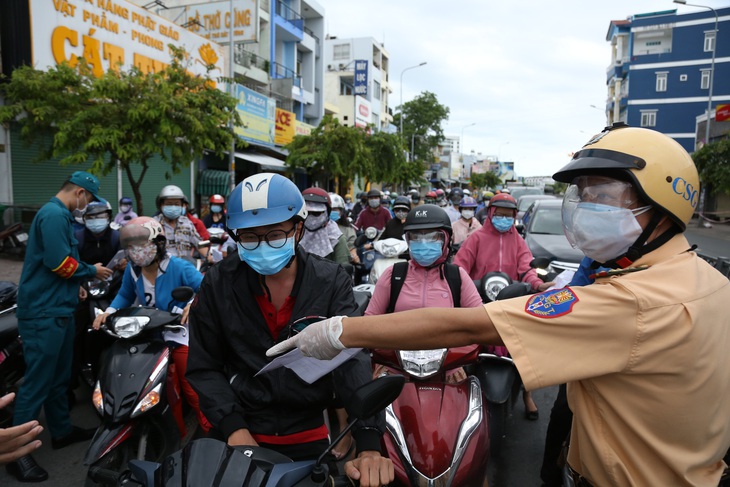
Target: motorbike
x: 388, y: 252
x: 366, y: 255
x: 437, y: 430
x: 12, y: 364
x: 206, y: 461
x: 13, y: 240
x: 135, y: 393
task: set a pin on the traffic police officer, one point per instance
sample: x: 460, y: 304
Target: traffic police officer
x: 643, y: 349
x: 47, y: 296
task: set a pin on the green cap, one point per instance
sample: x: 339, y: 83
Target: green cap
x: 87, y: 181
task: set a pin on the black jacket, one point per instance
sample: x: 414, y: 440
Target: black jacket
x: 228, y: 342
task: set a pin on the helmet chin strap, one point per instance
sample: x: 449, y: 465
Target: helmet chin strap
x: 639, y: 248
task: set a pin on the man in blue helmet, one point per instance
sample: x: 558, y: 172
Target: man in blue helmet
x: 248, y: 303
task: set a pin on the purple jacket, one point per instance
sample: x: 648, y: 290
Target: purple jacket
x: 487, y: 250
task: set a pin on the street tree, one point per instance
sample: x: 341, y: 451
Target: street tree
x: 422, y: 120
x: 123, y: 117
x: 713, y: 165
x: 483, y: 180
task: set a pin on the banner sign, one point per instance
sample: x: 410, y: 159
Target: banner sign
x: 362, y: 112
x: 301, y: 128
x: 722, y: 113
x: 257, y: 115
x: 111, y: 34
x: 212, y: 20
x: 361, y: 77
x: 285, y: 123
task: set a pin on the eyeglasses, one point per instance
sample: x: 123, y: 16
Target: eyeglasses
x: 276, y: 239
x: 436, y: 236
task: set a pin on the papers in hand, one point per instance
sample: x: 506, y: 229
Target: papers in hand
x: 307, y: 368
x: 562, y: 280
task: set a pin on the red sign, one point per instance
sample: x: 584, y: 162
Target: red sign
x: 722, y: 113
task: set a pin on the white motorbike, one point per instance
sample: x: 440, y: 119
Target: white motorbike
x: 390, y: 251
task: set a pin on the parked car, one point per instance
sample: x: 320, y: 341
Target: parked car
x: 519, y: 191
x: 524, y: 202
x: 543, y: 232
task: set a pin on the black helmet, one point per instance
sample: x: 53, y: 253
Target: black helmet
x: 424, y: 217
x: 402, y: 202
x: 373, y: 193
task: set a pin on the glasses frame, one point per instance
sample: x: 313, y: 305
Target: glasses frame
x: 265, y: 237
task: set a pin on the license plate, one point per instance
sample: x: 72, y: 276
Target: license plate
x: 22, y: 237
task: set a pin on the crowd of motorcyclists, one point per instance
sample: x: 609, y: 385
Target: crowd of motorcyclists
x: 261, y: 259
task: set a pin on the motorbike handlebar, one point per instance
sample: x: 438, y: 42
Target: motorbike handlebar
x: 106, y: 477
x: 343, y: 481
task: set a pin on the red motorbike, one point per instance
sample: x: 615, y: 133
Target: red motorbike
x: 437, y: 430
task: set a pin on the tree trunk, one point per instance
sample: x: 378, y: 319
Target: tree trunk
x: 136, y: 184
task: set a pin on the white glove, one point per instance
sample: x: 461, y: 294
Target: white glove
x: 320, y: 340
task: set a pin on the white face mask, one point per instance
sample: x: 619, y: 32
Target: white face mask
x: 602, y: 232
x: 467, y: 214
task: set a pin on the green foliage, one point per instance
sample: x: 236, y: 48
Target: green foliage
x: 335, y: 151
x: 124, y: 116
x: 422, y: 119
x: 713, y: 165
x: 485, y: 180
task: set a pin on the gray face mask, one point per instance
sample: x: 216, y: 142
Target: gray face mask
x: 313, y: 223
x: 374, y: 203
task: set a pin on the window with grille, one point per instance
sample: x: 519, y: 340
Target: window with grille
x: 709, y: 41
x: 705, y: 79
x: 341, y: 52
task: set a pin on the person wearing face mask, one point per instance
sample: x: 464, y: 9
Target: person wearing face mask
x: 247, y: 303
x: 339, y: 215
x: 215, y: 218
x: 426, y: 285
x: 48, y: 293
x: 322, y: 236
x: 97, y: 242
x: 149, y: 281
x: 643, y: 349
x: 182, y: 237
x: 125, y: 212
x: 467, y: 223
x: 452, y: 209
x: 360, y: 204
x: 349, y: 205
x: 394, y: 227
x: 375, y: 215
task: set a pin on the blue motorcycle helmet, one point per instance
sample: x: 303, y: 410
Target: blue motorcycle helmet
x: 264, y: 199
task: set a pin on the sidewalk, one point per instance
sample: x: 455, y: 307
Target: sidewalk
x: 10, y: 269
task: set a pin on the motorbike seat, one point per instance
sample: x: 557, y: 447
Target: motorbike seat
x: 10, y: 230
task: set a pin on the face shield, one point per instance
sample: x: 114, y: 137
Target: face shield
x: 134, y: 235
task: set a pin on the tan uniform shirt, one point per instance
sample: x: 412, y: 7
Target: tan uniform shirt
x: 645, y: 355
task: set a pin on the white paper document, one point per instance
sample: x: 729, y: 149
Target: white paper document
x: 562, y: 280
x: 307, y: 368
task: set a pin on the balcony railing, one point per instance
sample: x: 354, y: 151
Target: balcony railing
x: 290, y: 15
x: 281, y: 71
x: 248, y: 59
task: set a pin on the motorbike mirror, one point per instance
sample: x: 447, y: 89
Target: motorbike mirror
x: 183, y: 293
x: 514, y: 290
x: 540, y: 263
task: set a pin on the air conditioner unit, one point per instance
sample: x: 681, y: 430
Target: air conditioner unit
x: 330, y: 67
x: 341, y: 67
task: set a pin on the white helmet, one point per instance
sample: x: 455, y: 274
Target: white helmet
x: 337, y: 201
x: 171, y: 191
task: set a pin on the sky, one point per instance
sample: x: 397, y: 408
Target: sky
x: 529, y: 74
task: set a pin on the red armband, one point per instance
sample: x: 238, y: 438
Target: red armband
x: 67, y: 268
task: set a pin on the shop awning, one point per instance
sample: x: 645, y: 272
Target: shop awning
x: 212, y: 181
x: 266, y: 162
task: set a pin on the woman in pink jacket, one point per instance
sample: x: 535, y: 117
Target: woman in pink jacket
x: 428, y: 233
x: 497, y: 247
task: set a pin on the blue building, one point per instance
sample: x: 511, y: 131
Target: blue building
x: 660, y: 73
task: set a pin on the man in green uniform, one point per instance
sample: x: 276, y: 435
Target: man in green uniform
x: 47, y: 296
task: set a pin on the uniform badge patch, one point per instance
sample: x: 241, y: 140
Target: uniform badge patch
x: 551, y: 304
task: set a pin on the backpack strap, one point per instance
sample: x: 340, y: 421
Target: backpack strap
x: 453, y: 278
x: 397, y: 278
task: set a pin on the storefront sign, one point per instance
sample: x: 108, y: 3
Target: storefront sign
x: 285, y: 123
x: 301, y: 128
x: 722, y: 113
x: 111, y: 34
x: 361, y: 77
x: 257, y: 116
x: 213, y: 20
x: 362, y: 112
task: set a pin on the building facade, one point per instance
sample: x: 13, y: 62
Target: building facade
x: 357, y: 86
x: 661, y: 70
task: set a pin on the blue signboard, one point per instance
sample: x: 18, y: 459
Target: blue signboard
x: 257, y: 113
x: 361, y: 77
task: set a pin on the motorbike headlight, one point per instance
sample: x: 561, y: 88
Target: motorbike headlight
x: 494, y: 285
x: 98, y: 398
x: 422, y: 363
x: 150, y: 400
x: 129, y: 326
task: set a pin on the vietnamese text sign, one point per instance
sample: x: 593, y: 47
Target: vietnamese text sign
x: 212, y: 20
x: 257, y: 115
x: 301, y: 128
x: 362, y: 112
x: 722, y: 113
x: 361, y: 77
x: 111, y: 34
x: 285, y: 123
